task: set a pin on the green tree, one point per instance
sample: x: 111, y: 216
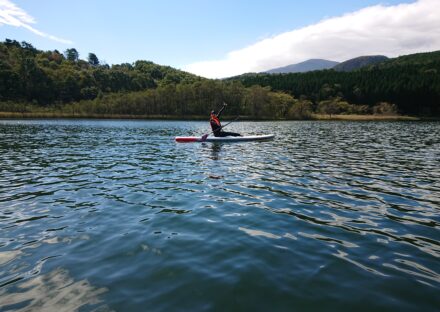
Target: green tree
x: 329, y: 107
x: 301, y: 109
x: 256, y: 99
x: 385, y: 108
x: 93, y: 59
x: 72, y: 55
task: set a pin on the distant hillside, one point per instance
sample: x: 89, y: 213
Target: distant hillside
x: 309, y: 65
x: 360, y: 62
x: 424, y: 60
x: 412, y: 82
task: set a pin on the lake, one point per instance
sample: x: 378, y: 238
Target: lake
x: 113, y: 215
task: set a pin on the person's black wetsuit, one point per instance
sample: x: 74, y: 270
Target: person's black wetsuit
x: 217, y: 127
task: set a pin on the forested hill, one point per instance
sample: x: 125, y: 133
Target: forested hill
x: 411, y: 82
x: 62, y: 84
x: 359, y: 62
x: 47, y: 77
x: 35, y: 81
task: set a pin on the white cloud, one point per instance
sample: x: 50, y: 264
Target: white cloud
x: 12, y: 15
x: 387, y: 30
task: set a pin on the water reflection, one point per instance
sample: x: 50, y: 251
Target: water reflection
x: 215, y: 150
x: 54, y: 291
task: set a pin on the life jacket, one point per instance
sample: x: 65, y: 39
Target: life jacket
x: 215, y: 121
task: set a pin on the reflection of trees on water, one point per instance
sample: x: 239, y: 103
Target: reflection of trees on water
x: 55, y: 291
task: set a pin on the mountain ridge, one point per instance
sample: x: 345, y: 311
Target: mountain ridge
x: 321, y: 64
x: 308, y: 65
x: 359, y: 62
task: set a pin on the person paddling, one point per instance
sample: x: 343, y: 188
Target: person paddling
x: 216, y: 125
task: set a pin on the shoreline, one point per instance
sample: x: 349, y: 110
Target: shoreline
x: 355, y: 117
x: 315, y: 117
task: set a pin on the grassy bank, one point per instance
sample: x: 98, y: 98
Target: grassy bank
x: 363, y: 117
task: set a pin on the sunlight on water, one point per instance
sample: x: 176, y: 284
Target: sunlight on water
x: 114, y: 215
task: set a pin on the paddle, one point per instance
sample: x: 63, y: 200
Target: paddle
x: 205, y: 136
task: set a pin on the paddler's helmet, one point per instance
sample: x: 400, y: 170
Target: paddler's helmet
x: 213, y: 112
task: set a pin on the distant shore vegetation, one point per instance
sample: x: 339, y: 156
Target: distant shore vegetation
x: 46, y: 84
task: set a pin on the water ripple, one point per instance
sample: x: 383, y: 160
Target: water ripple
x: 114, y: 215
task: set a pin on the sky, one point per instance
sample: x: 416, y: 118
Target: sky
x: 217, y: 39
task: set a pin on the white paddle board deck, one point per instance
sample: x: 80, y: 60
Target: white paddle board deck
x: 226, y: 139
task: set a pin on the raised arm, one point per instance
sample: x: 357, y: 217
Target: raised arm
x: 220, y: 111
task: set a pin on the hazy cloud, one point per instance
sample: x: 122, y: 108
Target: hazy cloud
x: 388, y: 30
x: 12, y: 15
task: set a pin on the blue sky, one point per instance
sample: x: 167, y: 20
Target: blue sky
x: 187, y: 34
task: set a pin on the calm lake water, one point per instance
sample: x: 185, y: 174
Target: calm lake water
x: 116, y: 216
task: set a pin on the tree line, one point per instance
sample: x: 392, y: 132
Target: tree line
x: 50, y: 77
x: 411, y: 83
x: 32, y: 80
